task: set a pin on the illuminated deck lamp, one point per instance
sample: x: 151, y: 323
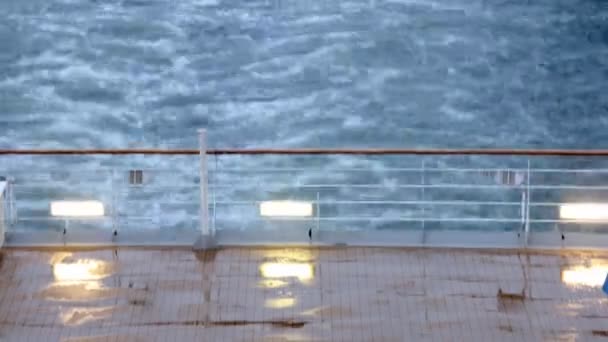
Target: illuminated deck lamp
x: 584, y: 212
x: 286, y: 209
x: 76, y: 209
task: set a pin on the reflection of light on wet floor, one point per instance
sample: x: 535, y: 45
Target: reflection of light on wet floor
x: 568, y: 337
x: 81, y: 315
x: 78, y: 280
x: 593, y: 276
x: 81, y: 274
x: 302, y: 271
x: 291, y: 337
x: 272, y: 283
x: 290, y: 254
x: 328, y: 310
x: 80, y: 270
x: 280, y: 303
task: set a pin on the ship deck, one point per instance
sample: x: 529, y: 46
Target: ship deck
x: 302, y: 294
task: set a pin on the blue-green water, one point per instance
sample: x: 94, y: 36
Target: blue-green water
x: 287, y: 73
x: 408, y: 73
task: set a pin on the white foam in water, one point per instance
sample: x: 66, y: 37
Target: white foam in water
x: 396, y: 73
x: 353, y: 122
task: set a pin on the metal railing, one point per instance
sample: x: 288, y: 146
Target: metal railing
x: 2, y: 210
x: 5, y: 207
x: 142, y: 206
x: 510, y: 200
x: 405, y: 196
x: 315, y: 151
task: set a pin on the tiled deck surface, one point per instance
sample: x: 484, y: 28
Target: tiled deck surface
x: 290, y: 294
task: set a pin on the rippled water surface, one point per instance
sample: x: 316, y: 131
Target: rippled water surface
x: 109, y: 73
x: 291, y: 73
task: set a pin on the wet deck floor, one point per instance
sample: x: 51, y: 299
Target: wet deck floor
x: 291, y: 294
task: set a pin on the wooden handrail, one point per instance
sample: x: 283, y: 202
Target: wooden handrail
x: 39, y: 152
x: 315, y: 151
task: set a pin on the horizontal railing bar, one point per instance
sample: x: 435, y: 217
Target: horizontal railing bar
x: 97, y: 218
x: 370, y: 169
x: 344, y: 218
x: 546, y: 204
x: 59, y: 152
x: 395, y: 219
x: 108, y: 172
x: 314, y: 151
x: 137, y: 218
x: 257, y: 202
x: 154, y: 218
x: 419, y: 186
x: 568, y: 187
x: 371, y: 186
x: 125, y: 187
x: 367, y: 186
x: 415, y: 219
x: 346, y: 186
x: 439, y: 202
x: 386, y: 202
x: 62, y: 219
x: 566, y: 170
x: 429, y: 169
x: 49, y: 186
x: 567, y: 221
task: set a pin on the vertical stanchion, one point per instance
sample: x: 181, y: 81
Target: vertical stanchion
x: 4, y: 216
x: 528, y: 198
x: 214, y: 195
x: 318, y: 212
x: 423, y: 183
x: 204, y: 209
x: 114, y: 209
x: 522, y: 212
x: 5, y: 204
x: 11, y: 201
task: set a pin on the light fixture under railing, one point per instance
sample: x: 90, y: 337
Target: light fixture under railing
x: 584, y: 211
x: 77, y: 209
x: 286, y: 209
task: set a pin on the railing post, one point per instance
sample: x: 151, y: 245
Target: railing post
x: 318, y: 212
x: 522, y: 212
x: 3, y: 193
x: 5, y: 203
x: 204, y: 184
x: 214, y: 181
x: 528, y: 198
x: 114, y: 205
x: 423, y: 183
x: 11, y: 202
